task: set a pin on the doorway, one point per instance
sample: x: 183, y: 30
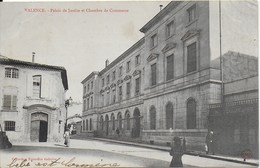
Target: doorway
x: 39, y: 127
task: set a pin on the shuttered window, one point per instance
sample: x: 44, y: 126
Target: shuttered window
x: 153, y: 74
x: 37, y: 86
x: 170, y: 67
x: 191, y: 58
x: 10, y: 102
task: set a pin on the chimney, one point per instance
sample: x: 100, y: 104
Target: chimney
x: 33, y: 55
x: 161, y: 7
x: 107, y: 62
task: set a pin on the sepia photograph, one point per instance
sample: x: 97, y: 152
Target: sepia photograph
x: 90, y: 84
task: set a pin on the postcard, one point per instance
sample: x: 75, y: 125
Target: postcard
x: 129, y: 84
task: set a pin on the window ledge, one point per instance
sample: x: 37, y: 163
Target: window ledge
x: 153, y: 47
x: 9, y: 111
x: 168, y: 37
x: 191, y: 22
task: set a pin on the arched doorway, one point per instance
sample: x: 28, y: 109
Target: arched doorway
x: 39, y: 127
x: 106, y: 124
x: 137, y: 124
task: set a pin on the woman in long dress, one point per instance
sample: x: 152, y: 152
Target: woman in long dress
x: 67, y: 138
x: 176, y: 153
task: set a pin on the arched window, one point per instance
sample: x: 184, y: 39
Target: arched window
x: 152, y: 118
x: 102, y: 123
x: 169, y: 116
x: 191, y: 114
x: 113, y: 121
x: 86, y: 124
x: 119, y: 118
x: 90, y: 124
x: 127, y: 117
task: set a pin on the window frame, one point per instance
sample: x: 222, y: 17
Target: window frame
x: 153, y: 41
x: 13, y: 73
x: 10, y: 125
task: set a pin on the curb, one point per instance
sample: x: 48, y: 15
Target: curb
x: 187, y: 152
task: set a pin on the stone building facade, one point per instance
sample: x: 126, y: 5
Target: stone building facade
x: 32, y: 100
x: 162, y: 86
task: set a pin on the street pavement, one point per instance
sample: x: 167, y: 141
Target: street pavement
x: 93, y: 153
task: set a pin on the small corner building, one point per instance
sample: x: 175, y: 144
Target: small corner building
x: 32, y: 100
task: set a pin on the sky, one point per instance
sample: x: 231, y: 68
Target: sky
x: 79, y: 41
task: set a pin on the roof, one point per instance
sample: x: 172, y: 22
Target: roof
x: 90, y: 76
x: 9, y: 61
x: 160, y: 15
x: 122, y: 56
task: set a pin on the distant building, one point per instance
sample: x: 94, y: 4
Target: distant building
x: 162, y: 86
x: 72, y: 123
x: 32, y: 100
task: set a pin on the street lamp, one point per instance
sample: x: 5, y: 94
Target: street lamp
x: 67, y: 104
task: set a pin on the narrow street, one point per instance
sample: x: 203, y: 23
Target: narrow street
x: 93, y: 153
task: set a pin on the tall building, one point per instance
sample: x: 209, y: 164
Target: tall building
x: 32, y: 98
x: 162, y: 86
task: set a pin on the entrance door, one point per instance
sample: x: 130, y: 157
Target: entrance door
x: 39, y: 127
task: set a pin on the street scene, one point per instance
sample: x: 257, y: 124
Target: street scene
x: 103, y: 153
x: 129, y: 84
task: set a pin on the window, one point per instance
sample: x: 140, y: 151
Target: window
x: 127, y: 116
x: 11, y: 73
x: 192, y: 13
x: 137, y: 60
x: 170, y: 67
x: 88, y: 86
x: 169, y: 116
x: 191, y: 58
x: 90, y: 124
x: 103, y: 100
x: 87, y: 103
x: 120, y: 71
x: 103, y: 82
x: 91, y: 84
x: 86, y: 124
x: 170, y: 29
x: 153, y: 74
x: 152, y: 118
x: 9, y: 125
x: 137, y: 86
x: 108, y: 98
x: 37, y: 86
x: 85, y: 89
x: 153, y: 41
x: 191, y: 114
x: 128, y: 90
x: 113, y: 121
x: 119, y: 118
x: 128, y: 66
x: 84, y: 104
x: 120, y: 94
x: 10, y: 102
x: 114, y: 96
x: 108, y: 79
x: 91, y: 102
x: 114, y: 75
x: 102, y: 123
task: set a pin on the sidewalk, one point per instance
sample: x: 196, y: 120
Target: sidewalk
x: 253, y: 162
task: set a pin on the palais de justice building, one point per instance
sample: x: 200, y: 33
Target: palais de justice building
x: 162, y: 86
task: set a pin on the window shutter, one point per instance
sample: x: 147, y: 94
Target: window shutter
x: 7, y: 102
x: 29, y: 86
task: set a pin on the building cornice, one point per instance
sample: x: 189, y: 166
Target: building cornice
x: 172, y: 5
x: 90, y: 76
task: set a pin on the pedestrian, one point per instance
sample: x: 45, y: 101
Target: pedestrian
x: 118, y: 132
x: 176, y: 153
x: 67, y: 138
x: 210, y: 141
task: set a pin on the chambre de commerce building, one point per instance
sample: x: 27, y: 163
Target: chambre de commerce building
x: 32, y: 100
x: 162, y: 86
